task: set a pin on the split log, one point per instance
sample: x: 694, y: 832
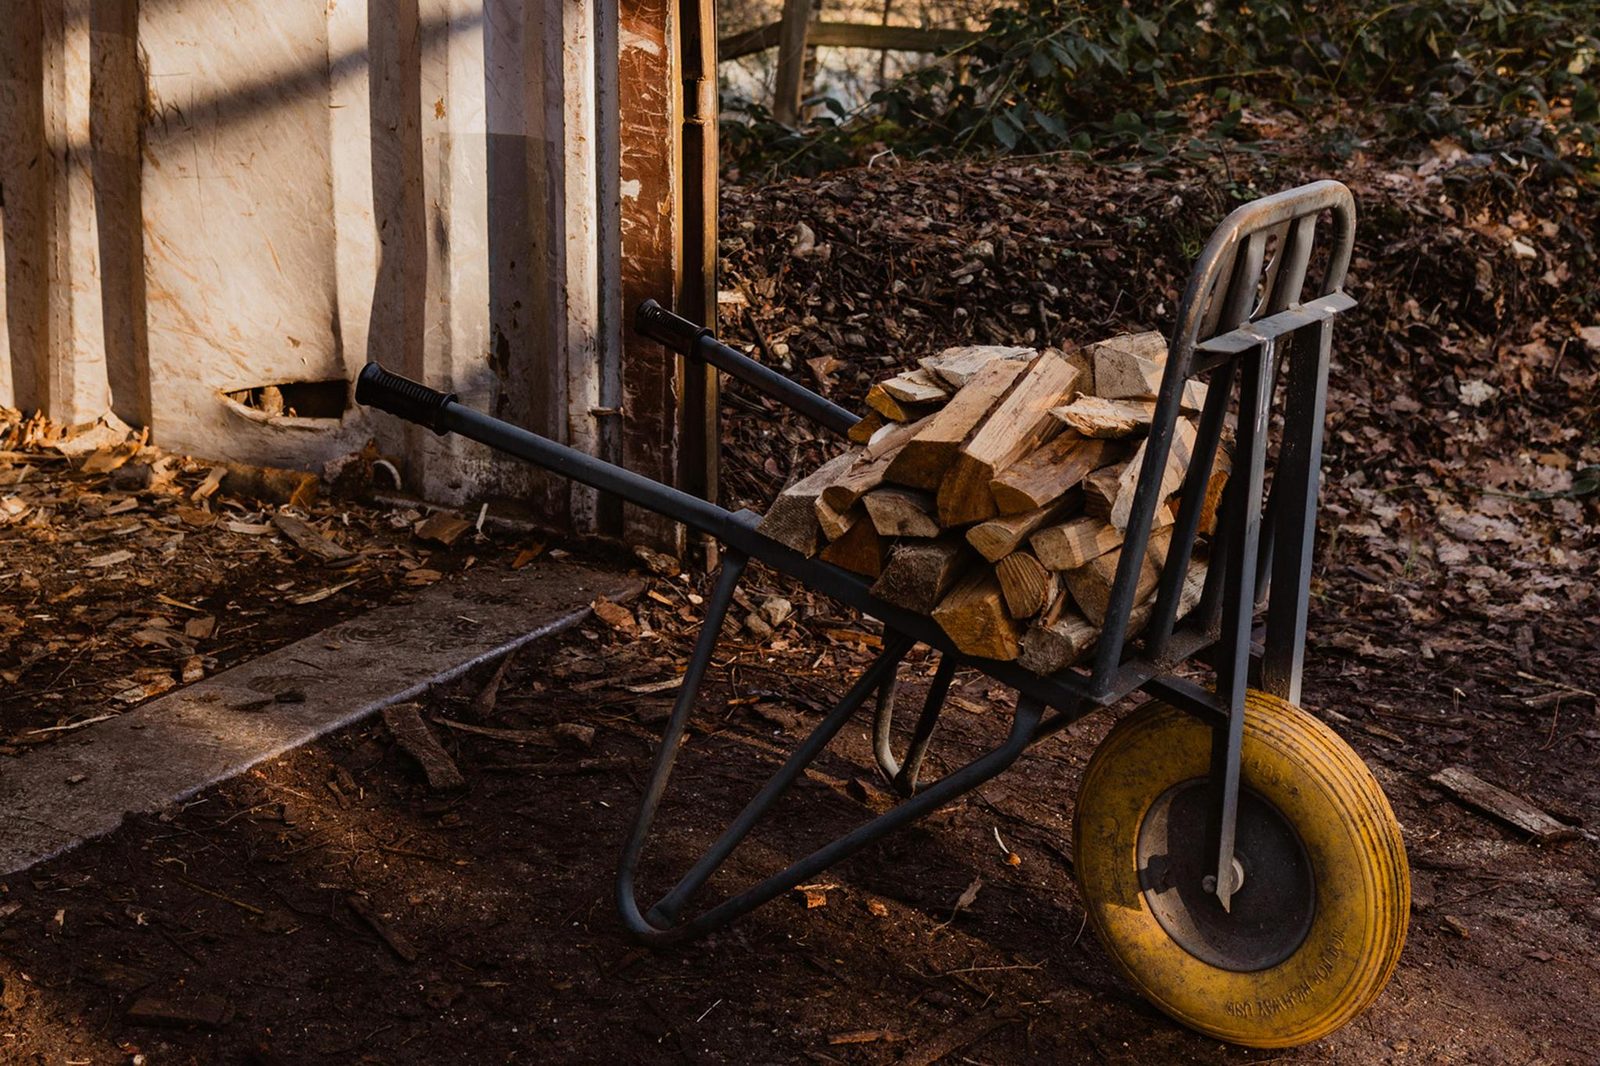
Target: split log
x: 1070, y: 545
x: 899, y: 512
x: 1017, y: 425
x: 1100, y: 490
x: 956, y: 367
x: 1129, y: 366
x: 1091, y: 583
x: 999, y: 537
x: 1095, y: 416
x: 861, y: 550
x: 919, y: 573
x: 922, y: 463
x: 916, y: 387
x: 1178, y: 455
x: 792, y: 519
x: 1221, y: 469
x: 1024, y: 583
x: 866, y: 473
x: 832, y: 522
x: 1055, y: 644
x: 973, y: 615
x: 1079, y: 357
x: 863, y: 430
x: 1047, y: 473
x: 879, y: 399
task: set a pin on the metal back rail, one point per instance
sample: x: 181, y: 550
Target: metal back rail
x: 1242, y: 311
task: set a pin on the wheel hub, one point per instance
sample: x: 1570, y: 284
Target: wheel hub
x: 1274, y: 903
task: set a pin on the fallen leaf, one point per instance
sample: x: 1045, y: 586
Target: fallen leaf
x: 422, y: 576
x: 616, y: 616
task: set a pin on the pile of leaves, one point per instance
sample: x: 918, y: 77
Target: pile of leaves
x: 1145, y: 79
x: 126, y: 571
x: 1460, y: 481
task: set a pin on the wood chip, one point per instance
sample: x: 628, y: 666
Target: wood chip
x: 367, y: 913
x: 441, y: 528
x: 200, y: 1011
x: 313, y: 543
x: 1510, y: 808
x: 413, y: 735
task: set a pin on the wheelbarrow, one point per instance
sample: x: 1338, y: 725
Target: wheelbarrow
x: 1237, y: 859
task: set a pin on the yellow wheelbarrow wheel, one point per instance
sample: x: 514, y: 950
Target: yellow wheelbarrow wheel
x: 1317, y: 925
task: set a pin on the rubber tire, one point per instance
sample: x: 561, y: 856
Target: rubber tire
x: 1358, y: 862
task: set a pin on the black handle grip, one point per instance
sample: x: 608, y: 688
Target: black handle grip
x: 675, y: 331
x: 402, y: 397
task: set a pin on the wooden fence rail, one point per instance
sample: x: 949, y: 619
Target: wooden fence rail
x: 796, y: 32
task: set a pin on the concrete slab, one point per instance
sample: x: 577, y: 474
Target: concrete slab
x: 78, y: 788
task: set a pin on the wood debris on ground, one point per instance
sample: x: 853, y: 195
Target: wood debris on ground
x: 997, y: 490
x: 126, y: 570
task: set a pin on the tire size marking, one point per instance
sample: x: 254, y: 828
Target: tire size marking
x: 1266, y: 1007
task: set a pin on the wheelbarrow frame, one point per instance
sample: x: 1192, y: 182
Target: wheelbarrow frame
x: 1242, y: 315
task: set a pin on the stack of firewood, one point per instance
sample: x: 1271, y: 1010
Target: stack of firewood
x: 991, y: 488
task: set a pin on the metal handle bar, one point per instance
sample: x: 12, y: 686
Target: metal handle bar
x: 697, y: 342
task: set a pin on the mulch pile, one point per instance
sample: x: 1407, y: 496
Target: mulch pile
x: 1459, y: 509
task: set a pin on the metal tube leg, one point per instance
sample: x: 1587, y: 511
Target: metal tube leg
x: 882, y: 725
x: 905, y: 781
x: 888, y: 660
x: 1233, y: 651
x: 733, y: 565
x: 1295, y: 492
x: 904, y: 777
x: 1024, y: 729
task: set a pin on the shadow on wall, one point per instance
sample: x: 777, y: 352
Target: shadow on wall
x: 87, y: 111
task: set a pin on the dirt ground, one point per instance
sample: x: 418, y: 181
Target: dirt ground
x: 327, y: 907
x: 499, y: 940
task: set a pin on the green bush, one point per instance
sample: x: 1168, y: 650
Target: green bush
x: 1140, y: 77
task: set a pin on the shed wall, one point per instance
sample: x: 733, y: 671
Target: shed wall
x: 201, y: 199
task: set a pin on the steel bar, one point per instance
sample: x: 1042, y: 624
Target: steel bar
x: 696, y: 342
x: 1195, y: 483
x: 1295, y: 484
x: 1024, y: 727
x: 666, y: 910
x: 903, y: 776
x: 672, y: 738
x: 1233, y: 651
